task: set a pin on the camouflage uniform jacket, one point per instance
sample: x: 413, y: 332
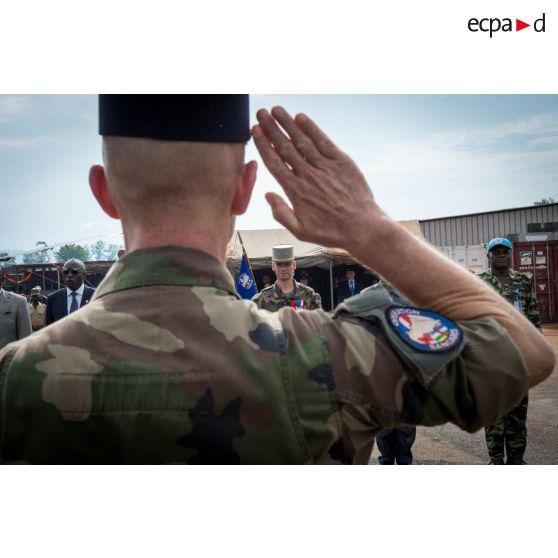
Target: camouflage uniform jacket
x: 168, y: 365
x: 518, y: 290
x: 300, y: 298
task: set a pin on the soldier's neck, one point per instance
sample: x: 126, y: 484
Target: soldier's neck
x: 209, y: 240
x: 500, y: 272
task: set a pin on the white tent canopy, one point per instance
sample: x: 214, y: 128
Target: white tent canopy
x: 258, y: 243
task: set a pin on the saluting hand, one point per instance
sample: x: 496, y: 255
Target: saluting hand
x: 332, y: 203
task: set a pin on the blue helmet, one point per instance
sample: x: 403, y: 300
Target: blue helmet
x: 499, y: 242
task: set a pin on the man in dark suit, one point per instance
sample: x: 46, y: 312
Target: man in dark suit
x: 73, y: 296
x: 349, y: 287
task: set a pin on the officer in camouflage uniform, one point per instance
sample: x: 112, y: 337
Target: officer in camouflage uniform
x: 510, y: 432
x: 286, y: 291
x: 168, y: 365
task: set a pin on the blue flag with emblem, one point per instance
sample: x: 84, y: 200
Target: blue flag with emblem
x: 245, y: 283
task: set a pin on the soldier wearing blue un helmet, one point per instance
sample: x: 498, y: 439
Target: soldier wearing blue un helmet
x: 509, y: 434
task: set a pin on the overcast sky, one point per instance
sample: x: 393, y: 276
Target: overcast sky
x: 424, y: 157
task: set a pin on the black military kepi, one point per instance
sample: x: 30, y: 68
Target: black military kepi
x: 203, y: 118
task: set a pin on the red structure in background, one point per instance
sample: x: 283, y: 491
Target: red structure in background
x: 21, y: 278
x: 539, y: 260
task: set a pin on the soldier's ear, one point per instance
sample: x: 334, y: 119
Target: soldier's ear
x: 244, y: 188
x: 98, y: 184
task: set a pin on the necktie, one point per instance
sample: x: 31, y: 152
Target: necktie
x: 73, y: 306
x: 352, y: 286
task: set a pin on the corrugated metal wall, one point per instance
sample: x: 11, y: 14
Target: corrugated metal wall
x: 478, y: 228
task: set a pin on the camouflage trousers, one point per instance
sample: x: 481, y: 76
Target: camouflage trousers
x: 509, y: 433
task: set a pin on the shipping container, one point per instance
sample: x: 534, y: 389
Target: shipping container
x: 539, y: 260
x: 471, y: 257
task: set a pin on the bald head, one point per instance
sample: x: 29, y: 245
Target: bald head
x: 152, y: 180
x: 169, y: 193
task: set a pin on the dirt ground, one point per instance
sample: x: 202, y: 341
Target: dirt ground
x: 448, y: 445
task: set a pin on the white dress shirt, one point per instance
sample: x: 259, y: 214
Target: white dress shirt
x: 78, y: 297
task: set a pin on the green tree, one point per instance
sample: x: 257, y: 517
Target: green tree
x: 97, y: 250
x: 38, y: 256
x: 69, y: 251
x: 111, y: 250
x: 545, y: 201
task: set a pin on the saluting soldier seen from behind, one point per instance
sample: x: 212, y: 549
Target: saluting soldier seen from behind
x: 507, y: 438
x: 167, y: 364
x: 286, y: 291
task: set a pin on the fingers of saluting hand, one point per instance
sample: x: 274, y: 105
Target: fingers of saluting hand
x: 282, y: 144
x: 302, y: 142
x: 271, y: 159
x: 282, y: 213
x: 320, y: 140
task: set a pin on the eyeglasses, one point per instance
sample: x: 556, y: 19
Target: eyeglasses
x: 72, y: 271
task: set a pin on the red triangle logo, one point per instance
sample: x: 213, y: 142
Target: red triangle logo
x: 519, y: 25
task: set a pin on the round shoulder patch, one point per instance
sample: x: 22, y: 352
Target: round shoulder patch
x: 424, y: 330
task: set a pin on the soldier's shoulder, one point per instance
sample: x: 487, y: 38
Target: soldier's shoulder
x: 55, y: 293
x: 305, y: 288
x: 264, y: 294
x: 79, y: 335
x: 17, y: 297
x: 24, y: 350
x: 267, y: 291
x: 520, y: 276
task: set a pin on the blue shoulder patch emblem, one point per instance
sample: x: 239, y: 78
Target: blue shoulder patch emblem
x: 424, y: 330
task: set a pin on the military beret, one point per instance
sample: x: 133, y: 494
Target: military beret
x: 283, y: 253
x: 201, y: 118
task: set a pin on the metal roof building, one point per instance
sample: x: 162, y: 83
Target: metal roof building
x: 535, y: 222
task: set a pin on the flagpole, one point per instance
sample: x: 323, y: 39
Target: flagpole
x: 245, y: 254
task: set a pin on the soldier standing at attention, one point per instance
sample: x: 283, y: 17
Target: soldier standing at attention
x: 286, y: 291
x: 37, y: 309
x: 510, y: 432
x: 167, y: 364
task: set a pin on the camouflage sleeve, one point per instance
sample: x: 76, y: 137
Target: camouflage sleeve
x: 531, y: 307
x: 256, y: 299
x: 379, y: 386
